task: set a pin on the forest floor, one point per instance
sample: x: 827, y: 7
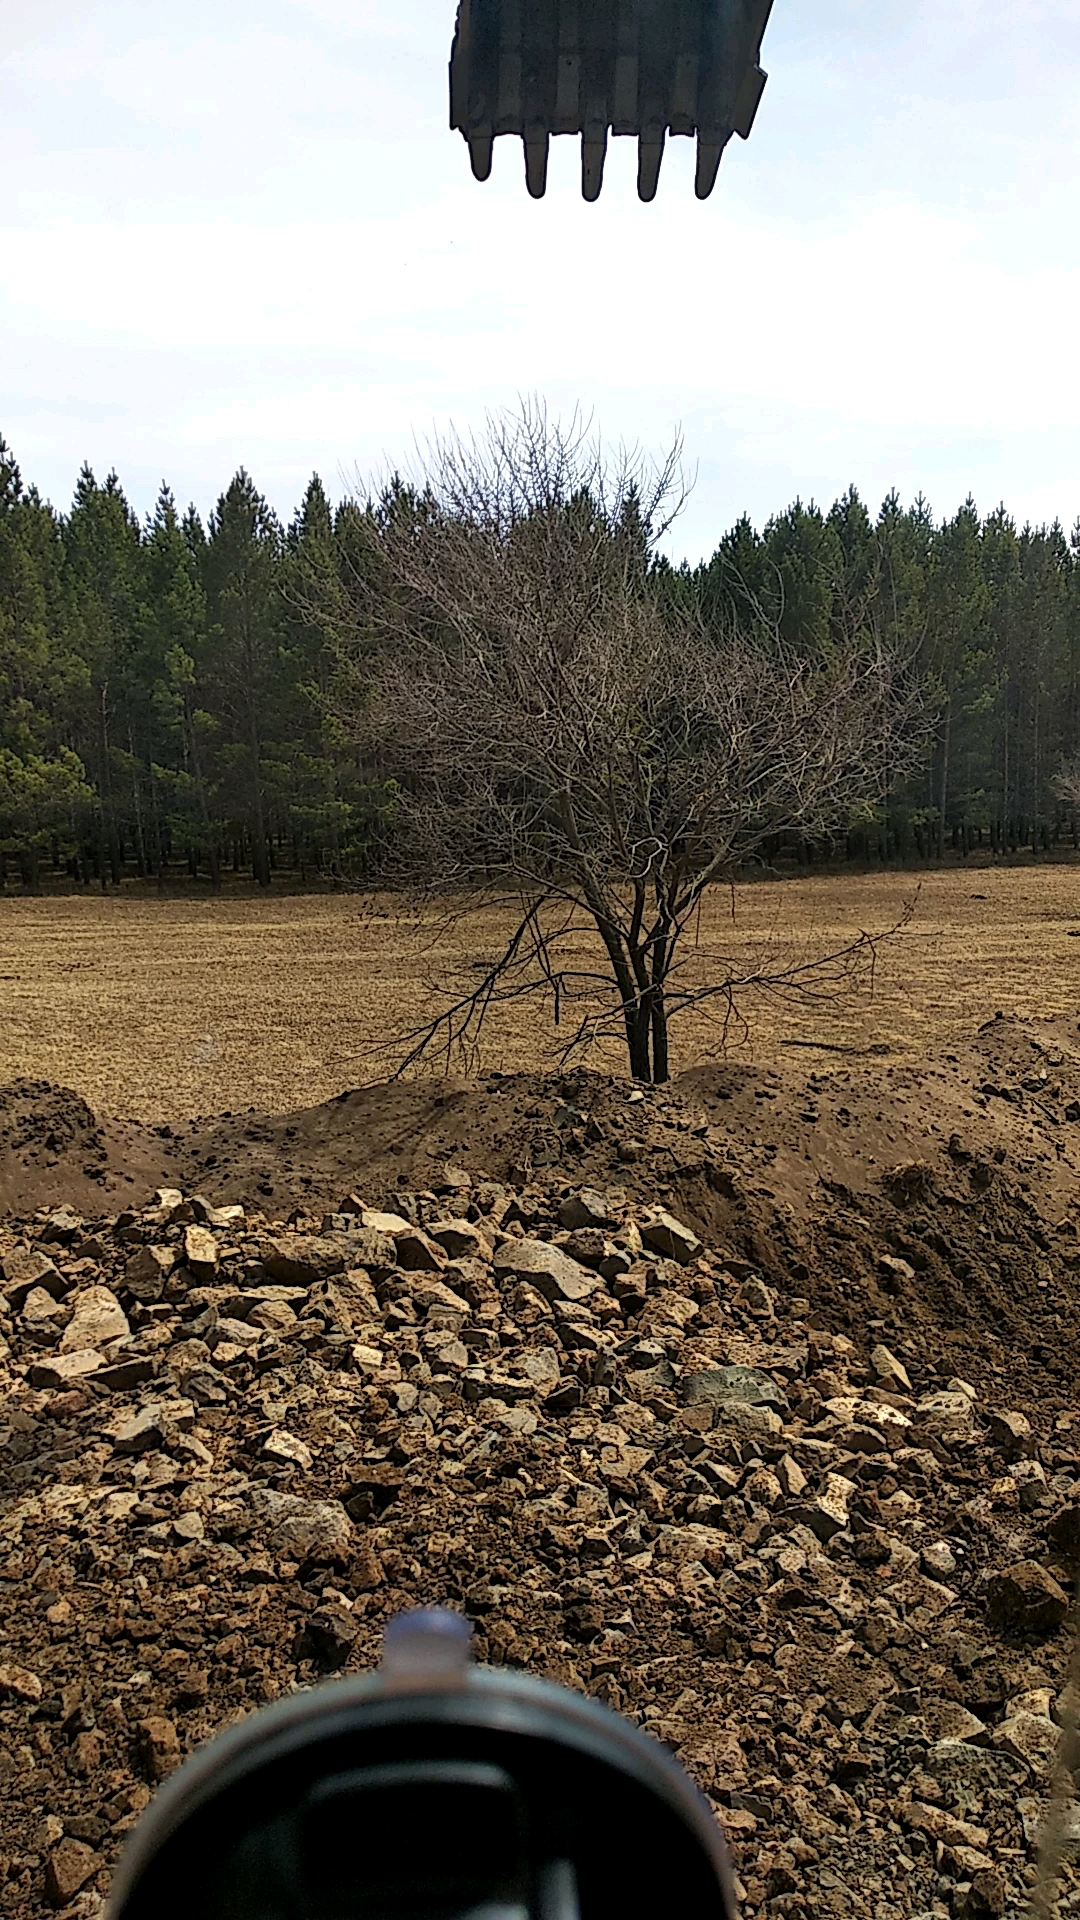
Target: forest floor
x: 166, y: 1009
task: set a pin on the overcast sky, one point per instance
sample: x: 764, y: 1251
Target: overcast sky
x: 238, y: 231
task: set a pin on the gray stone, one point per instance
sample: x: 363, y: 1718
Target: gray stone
x: 938, y: 1560
x: 62, y: 1224
x: 547, y: 1268
x: 586, y: 1208
x: 201, y: 1252
x: 97, y: 1319
x: 725, y: 1386
x: 302, y: 1529
x: 299, y: 1259
x: 462, y: 1240
x: 888, y: 1367
x: 24, y: 1270
x: 968, y: 1772
x: 153, y: 1426
x: 540, y: 1365
x: 63, y: 1370
x: 212, y: 1216
x: 147, y: 1271
x: 667, y: 1236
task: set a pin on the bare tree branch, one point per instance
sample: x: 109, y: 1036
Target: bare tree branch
x: 557, y: 721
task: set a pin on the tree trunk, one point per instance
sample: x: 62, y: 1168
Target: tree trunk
x: 662, y: 953
x: 943, y: 795
x: 637, y: 1040
x: 108, y: 810
x: 200, y: 788
x: 260, y: 852
x: 136, y: 800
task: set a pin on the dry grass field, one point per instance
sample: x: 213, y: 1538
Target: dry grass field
x: 167, y: 1009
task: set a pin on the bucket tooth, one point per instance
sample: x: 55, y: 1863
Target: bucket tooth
x: 748, y: 102
x: 480, y: 145
x: 650, y: 154
x: 593, y: 68
x: 708, y: 165
x: 537, y: 144
x: 593, y: 155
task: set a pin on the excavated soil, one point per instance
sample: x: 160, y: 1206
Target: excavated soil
x: 836, y: 1585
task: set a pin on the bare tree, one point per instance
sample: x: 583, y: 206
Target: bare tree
x: 561, y: 724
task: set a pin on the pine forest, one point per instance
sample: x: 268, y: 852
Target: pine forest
x: 167, y: 689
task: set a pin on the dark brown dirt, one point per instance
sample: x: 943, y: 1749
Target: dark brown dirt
x: 609, y: 1538
x: 54, y: 1150
x: 967, y: 1167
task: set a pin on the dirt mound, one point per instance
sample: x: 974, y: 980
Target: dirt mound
x: 827, y: 1571
x: 965, y: 1169
x: 803, y: 1499
x: 54, y: 1150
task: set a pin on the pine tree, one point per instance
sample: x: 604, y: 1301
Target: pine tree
x: 239, y: 567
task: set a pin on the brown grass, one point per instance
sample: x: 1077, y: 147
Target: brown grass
x: 162, y: 1009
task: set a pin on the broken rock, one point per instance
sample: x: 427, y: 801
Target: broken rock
x: 1012, y: 1432
x: 826, y: 1513
x: 97, y: 1319
x: 24, y: 1270
x: 152, y: 1426
x: 201, y: 1252
x: 159, y: 1746
x: 304, y: 1259
x: 726, y: 1386
x: 70, y: 1866
x: 1031, y: 1737
x: 18, y: 1683
x: 303, y: 1529
x: 887, y: 1367
x: 547, y: 1268
x: 1026, y: 1599
x: 287, y: 1450
x: 586, y: 1208
x: 147, y: 1271
x: 667, y: 1236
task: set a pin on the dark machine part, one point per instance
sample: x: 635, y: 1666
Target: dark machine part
x: 643, y: 67
x: 430, y: 1790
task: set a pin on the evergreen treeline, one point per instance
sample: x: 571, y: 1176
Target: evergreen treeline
x: 163, y: 687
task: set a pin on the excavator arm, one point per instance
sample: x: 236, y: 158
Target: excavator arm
x: 597, y: 67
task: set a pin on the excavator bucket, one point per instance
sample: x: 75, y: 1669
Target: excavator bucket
x: 594, y: 67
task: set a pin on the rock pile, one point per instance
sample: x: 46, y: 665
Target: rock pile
x: 833, y: 1580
